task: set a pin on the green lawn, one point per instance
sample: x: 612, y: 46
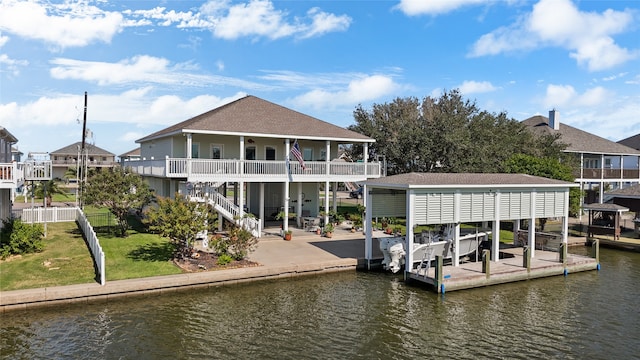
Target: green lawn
x: 66, y: 259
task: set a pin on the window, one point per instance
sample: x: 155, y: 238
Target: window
x: 323, y: 154
x: 270, y: 153
x: 216, y: 151
x: 591, y: 164
x: 607, y: 163
x: 195, y: 150
x: 250, y: 153
x: 307, y: 154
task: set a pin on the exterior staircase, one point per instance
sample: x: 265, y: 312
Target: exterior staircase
x: 208, y: 193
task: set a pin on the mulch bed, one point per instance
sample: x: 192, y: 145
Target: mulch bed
x: 209, y: 262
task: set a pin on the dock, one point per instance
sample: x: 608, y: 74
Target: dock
x: 511, y: 267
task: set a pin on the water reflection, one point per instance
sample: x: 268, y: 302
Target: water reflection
x: 349, y: 316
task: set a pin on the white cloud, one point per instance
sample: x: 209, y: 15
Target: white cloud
x: 137, y: 106
x: 259, y: 18
x: 559, y: 23
x: 433, y: 7
x: 565, y: 96
x: 68, y: 24
x: 142, y: 69
x: 13, y: 66
x: 359, y: 90
x: 3, y: 39
x: 474, y: 87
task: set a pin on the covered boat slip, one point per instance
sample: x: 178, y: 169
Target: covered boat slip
x: 454, y: 199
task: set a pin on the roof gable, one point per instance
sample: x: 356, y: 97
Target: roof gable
x: 578, y: 140
x: 255, y: 116
x: 73, y: 150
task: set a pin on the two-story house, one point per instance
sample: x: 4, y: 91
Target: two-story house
x: 67, y: 157
x: 277, y: 159
x: 604, y: 164
x: 13, y: 174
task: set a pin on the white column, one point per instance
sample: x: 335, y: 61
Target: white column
x: 408, y: 241
x: 532, y: 225
x: 365, y: 157
x: 565, y: 218
x: 326, y: 202
x: 516, y: 229
x: 299, y: 207
x: 621, y: 171
x: 241, y: 170
x: 261, y: 195
x: 328, y: 157
x: 285, y: 226
x: 368, y: 241
x: 456, y: 233
x: 495, y: 246
x: 601, y: 195
x: 189, y: 155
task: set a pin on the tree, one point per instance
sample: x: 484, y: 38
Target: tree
x: 51, y: 188
x: 447, y: 134
x: 546, y: 167
x: 120, y: 191
x: 180, y: 220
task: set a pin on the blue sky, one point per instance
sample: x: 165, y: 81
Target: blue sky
x: 149, y: 64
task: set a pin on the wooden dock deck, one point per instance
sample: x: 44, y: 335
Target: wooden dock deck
x: 510, y: 268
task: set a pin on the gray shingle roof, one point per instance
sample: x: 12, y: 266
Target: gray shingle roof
x: 580, y: 141
x: 73, y: 150
x: 134, y: 152
x: 255, y: 116
x: 605, y: 207
x: 629, y: 191
x: 632, y: 142
x: 458, y: 180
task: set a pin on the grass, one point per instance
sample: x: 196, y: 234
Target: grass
x: 66, y: 260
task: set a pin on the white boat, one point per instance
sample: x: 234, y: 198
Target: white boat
x: 427, y: 246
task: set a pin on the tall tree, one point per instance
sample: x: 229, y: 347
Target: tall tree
x: 446, y: 134
x: 49, y: 187
x: 120, y: 191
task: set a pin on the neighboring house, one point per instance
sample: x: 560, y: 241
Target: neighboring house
x: 67, y: 157
x: 13, y: 174
x: 247, y: 143
x: 16, y: 155
x: 9, y: 176
x: 129, y: 155
x: 603, y: 163
x: 632, y: 142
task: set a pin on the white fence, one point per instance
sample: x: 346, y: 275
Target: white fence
x: 57, y: 214
x: 52, y: 214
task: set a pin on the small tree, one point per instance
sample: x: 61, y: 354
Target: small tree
x: 120, y: 191
x: 180, y: 220
x: 48, y: 188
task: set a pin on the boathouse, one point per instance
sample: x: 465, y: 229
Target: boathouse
x: 449, y: 198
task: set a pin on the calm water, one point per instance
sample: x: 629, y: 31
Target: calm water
x: 592, y: 315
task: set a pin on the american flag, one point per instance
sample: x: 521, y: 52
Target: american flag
x: 295, y: 150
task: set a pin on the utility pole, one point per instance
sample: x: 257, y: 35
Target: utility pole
x: 81, y: 160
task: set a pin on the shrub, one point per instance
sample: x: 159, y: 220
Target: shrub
x: 17, y: 237
x: 224, y: 259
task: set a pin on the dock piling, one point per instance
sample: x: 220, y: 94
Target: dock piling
x: 563, y: 253
x: 526, y: 258
x: 439, y: 274
x: 486, y: 262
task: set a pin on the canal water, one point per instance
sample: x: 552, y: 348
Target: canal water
x: 592, y: 315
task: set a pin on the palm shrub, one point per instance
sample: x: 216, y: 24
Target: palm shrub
x: 16, y: 237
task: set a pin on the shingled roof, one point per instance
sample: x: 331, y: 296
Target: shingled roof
x: 580, y: 141
x: 632, y: 142
x: 73, y: 150
x: 468, y: 180
x: 627, y: 192
x: 257, y: 117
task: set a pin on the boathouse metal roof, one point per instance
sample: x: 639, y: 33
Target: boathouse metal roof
x: 253, y: 116
x: 466, y: 180
x: 580, y: 141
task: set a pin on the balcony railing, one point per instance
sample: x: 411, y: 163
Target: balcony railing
x: 37, y: 170
x: 10, y: 175
x: 256, y: 170
x: 612, y: 174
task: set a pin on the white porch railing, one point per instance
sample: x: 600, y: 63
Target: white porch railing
x: 231, y: 212
x: 242, y: 170
x: 11, y: 175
